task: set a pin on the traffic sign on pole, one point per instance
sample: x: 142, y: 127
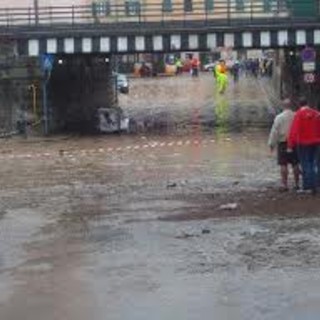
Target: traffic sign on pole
x: 308, y: 66
x: 47, y: 62
x: 308, y: 55
x: 309, y: 78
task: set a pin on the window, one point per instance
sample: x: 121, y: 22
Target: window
x: 240, y: 5
x: 101, y: 8
x: 209, y: 5
x: 188, y: 6
x: 167, y: 5
x: 132, y: 7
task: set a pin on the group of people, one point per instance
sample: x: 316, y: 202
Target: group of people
x: 194, y: 65
x: 250, y: 67
x: 296, y: 135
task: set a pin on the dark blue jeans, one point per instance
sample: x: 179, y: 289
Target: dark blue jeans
x: 308, y: 158
x: 318, y: 166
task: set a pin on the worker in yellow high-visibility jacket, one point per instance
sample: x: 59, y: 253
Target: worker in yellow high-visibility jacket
x: 221, y: 76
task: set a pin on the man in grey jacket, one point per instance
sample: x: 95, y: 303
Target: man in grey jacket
x: 278, y: 138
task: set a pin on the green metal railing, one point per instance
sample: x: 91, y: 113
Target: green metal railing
x: 163, y: 11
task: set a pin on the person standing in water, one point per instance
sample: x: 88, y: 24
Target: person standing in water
x: 221, y: 76
x: 278, y: 139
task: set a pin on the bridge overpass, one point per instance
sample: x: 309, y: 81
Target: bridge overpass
x: 155, y: 26
x: 87, y: 36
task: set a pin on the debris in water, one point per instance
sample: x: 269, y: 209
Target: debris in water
x: 171, y: 185
x: 229, y: 206
x: 186, y: 236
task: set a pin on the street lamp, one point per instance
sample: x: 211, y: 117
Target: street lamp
x: 36, y: 11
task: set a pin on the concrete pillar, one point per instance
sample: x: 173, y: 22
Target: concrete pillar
x: 14, y: 82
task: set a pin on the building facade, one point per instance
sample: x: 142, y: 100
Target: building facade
x: 104, y: 11
x: 152, y: 10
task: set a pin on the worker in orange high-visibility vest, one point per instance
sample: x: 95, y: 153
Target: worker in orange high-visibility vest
x: 221, y: 76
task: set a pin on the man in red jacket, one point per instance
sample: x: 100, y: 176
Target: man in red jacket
x: 304, y: 134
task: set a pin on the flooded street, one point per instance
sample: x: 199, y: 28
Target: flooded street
x: 135, y: 227
x: 185, y: 103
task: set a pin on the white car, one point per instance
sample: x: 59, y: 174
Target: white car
x: 122, y: 82
x: 209, y: 66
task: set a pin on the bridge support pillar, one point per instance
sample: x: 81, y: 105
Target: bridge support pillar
x: 293, y: 82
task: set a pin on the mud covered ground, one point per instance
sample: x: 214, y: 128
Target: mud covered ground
x: 134, y: 227
x: 267, y: 202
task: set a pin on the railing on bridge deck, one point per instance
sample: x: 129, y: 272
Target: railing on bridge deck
x: 205, y: 12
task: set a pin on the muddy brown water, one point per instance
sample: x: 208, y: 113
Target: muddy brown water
x: 130, y: 227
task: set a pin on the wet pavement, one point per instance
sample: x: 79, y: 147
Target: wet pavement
x: 131, y: 227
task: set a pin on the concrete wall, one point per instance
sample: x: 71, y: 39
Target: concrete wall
x: 292, y: 78
x: 16, y: 75
x: 77, y: 89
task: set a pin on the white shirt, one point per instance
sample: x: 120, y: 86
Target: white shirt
x: 280, y: 128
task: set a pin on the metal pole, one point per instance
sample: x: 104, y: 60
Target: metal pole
x: 34, y: 99
x: 36, y: 11
x: 206, y: 12
x: 72, y: 14
x: 45, y: 108
x: 117, y: 97
x: 116, y: 79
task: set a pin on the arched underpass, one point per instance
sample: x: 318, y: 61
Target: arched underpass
x: 78, y: 86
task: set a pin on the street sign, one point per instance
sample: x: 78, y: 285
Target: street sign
x: 308, y: 55
x: 309, y: 78
x: 47, y: 62
x: 46, y: 65
x: 308, y: 66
